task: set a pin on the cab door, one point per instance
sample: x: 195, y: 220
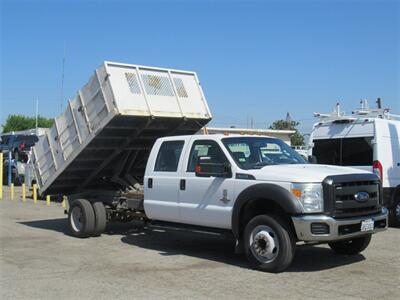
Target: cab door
x: 205, y: 201
x: 162, y: 181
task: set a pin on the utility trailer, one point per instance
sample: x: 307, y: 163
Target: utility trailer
x: 99, y: 146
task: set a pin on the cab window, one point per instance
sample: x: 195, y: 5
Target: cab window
x: 205, y: 148
x: 168, y: 156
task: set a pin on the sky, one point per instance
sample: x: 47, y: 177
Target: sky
x: 256, y: 60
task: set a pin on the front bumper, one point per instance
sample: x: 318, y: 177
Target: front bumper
x: 336, y: 229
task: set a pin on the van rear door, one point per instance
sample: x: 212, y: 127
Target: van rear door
x: 351, y: 152
x: 345, y: 144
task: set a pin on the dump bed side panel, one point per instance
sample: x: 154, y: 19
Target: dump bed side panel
x: 103, y: 138
x: 140, y: 90
x: 73, y: 130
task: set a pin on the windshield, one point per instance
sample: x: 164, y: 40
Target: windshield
x: 27, y: 139
x: 257, y: 152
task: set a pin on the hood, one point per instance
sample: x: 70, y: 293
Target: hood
x: 302, y: 173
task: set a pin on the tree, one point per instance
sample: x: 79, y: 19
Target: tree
x: 296, y: 139
x: 20, y: 122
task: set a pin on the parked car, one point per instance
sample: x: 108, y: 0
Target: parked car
x: 302, y: 150
x: 18, y: 170
x: 4, y: 143
x: 18, y: 144
x: 368, y: 139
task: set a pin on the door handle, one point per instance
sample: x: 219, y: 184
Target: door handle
x: 182, y: 184
x: 150, y: 183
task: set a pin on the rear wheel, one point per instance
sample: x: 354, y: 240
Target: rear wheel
x: 100, y: 218
x: 269, y: 244
x: 394, y: 217
x: 81, y: 218
x: 351, y: 247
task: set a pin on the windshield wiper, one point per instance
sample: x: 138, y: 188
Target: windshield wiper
x: 261, y: 164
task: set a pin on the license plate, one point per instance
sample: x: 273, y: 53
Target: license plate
x: 367, y: 225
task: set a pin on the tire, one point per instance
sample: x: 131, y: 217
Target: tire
x: 16, y: 155
x: 100, y: 218
x: 394, y: 212
x: 269, y: 243
x: 351, y: 247
x: 15, y: 178
x: 81, y: 218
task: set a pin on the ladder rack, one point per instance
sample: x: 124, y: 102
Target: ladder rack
x: 363, y: 112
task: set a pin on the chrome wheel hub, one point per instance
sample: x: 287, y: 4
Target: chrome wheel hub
x: 264, y: 243
x: 76, y: 217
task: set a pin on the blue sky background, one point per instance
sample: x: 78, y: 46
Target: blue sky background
x: 255, y: 59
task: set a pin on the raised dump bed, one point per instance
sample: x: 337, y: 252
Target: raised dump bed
x: 103, y: 138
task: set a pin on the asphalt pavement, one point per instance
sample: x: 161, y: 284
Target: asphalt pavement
x: 40, y: 260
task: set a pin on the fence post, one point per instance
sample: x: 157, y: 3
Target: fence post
x: 35, y: 193
x: 9, y: 168
x: 23, y: 193
x: 63, y: 203
x: 12, y: 191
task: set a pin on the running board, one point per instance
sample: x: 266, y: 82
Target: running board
x: 190, y: 228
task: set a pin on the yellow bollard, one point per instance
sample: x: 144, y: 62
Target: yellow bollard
x: 48, y: 200
x: 35, y: 193
x: 23, y: 193
x: 1, y: 176
x: 63, y: 204
x: 12, y: 191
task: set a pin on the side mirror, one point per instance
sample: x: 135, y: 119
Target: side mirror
x: 206, y: 168
x: 312, y: 159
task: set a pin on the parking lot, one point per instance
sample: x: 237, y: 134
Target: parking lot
x: 40, y: 260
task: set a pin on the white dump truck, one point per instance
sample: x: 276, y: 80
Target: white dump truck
x: 125, y: 149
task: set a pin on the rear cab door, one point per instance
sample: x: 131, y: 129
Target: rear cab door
x: 162, y: 180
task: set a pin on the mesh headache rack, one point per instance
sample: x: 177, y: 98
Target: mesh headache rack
x: 103, y: 138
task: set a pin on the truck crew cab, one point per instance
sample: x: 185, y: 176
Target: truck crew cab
x: 126, y: 148
x: 264, y: 193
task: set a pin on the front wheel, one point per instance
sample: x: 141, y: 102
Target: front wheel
x: 394, y: 216
x: 351, y: 247
x: 269, y: 244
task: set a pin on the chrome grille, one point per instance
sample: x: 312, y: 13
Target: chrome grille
x: 345, y: 203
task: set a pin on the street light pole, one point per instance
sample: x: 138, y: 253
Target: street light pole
x: 36, y: 117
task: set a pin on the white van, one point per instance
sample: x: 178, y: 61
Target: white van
x: 368, y: 139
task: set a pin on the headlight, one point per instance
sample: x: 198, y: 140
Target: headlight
x: 309, y: 195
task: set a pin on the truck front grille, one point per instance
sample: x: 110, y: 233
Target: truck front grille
x: 342, y: 193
